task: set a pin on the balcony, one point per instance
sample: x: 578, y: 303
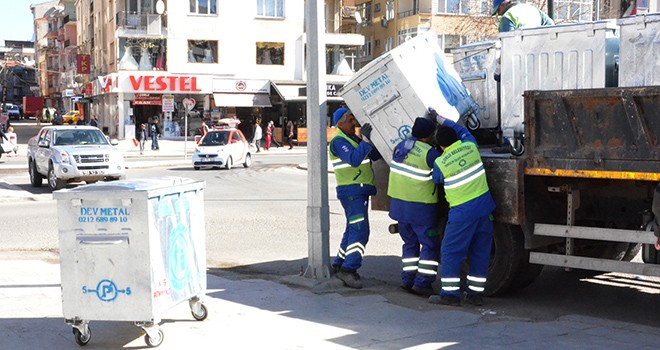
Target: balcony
x: 142, y: 24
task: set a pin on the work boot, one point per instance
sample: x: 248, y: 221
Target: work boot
x: 476, y: 299
x: 407, y: 288
x: 423, y: 291
x: 445, y: 300
x: 350, y: 278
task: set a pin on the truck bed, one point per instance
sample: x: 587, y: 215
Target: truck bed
x: 597, y: 133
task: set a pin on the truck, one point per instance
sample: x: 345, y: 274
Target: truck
x: 64, y: 154
x: 576, y: 191
x: 32, y: 106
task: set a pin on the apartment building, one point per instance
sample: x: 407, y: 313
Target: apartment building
x: 17, y: 71
x: 55, y: 47
x: 243, y: 58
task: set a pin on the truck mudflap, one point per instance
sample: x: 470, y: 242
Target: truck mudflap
x: 607, y: 133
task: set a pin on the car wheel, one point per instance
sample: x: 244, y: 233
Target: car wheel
x: 248, y: 161
x: 35, y: 177
x: 53, y: 182
x: 229, y: 163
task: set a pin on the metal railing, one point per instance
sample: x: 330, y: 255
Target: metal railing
x: 152, y: 23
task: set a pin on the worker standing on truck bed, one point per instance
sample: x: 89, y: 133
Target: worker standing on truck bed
x: 469, y: 231
x: 414, y: 206
x: 351, y: 158
x: 516, y: 15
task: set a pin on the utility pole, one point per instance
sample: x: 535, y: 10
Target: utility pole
x: 318, y: 217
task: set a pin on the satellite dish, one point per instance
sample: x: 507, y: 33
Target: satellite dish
x: 358, y: 17
x: 160, y: 7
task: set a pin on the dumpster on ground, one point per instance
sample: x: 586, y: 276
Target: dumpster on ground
x: 130, y: 250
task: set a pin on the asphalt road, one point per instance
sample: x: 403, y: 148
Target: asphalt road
x: 256, y: 228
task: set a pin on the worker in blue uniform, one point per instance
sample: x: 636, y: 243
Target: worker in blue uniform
x: 414, y: 206
x: 351, y: 158
x: 469, y: 230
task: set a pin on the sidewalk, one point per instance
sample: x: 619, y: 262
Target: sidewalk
x: 254, y: 313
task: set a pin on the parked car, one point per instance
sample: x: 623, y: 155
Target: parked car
x: 13, y: 111
x: 222, y: 148
x: 65, y: 154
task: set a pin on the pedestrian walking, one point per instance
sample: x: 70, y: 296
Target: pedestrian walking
x: 289, y: 133
x: 269, y: 134
x: 469, y: 230
x: 414, y: 206
x: 155, y: 133
x: 93, y: 121
x: 142, y: 137
x: 351, y: 158
x: 257, y: 135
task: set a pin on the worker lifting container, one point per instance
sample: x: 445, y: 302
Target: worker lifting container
x: 130, y: 250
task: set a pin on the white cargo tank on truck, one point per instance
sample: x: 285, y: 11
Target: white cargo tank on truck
x: 580, y: 196
x: 65, y: 154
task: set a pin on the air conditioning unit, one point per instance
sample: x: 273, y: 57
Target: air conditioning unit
x: 348, y: 11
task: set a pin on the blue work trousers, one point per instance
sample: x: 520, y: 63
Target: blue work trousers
x: 471, y: 239
x: 420, y: 253
x: 356, y: 235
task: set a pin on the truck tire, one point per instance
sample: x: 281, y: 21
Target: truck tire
x: 36, y: 179
x: 53, y: 182
x: 506, y: 258
x: 527, y: 272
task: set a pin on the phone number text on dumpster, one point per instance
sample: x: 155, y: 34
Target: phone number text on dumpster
x: 101, y: 215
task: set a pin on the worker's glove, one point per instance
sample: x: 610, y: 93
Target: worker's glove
x: 435, y: 116
x: 365, y: 132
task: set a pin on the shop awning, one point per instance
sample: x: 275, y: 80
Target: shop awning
x: 241, y: 100
x: 298, y: 93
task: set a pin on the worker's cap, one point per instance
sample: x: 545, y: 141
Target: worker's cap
x: 422, y: 128
x: 339, y: 113
x: 496, y: 4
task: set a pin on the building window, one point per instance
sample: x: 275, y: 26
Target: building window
x: 202, y: 51
x: 449, y: 41
x: 377, y: 7
x: 365, y: 50
x: 270, y: 8
x: 365, y: 13
x: 203, y: 7
x: 389, y: 10
x: 270, y: 53
x: 141, y: 54
x: 454, y: 6
x: 340, y: 60
x: 389, y: 43
x: 574, y: 10
x: 407, y: 34
x: 377, y: 43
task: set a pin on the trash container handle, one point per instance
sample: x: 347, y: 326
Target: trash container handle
x: 103, y: 240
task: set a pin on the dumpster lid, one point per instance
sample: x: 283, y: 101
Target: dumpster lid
x: 142, y: 184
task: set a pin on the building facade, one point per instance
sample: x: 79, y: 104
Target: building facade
x: 17, y: 71
x: 243, y: 58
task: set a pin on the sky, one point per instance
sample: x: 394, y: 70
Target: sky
x: 16, y: 22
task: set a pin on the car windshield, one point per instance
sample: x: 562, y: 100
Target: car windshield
x: 215, y: 138
x: 79, y: 137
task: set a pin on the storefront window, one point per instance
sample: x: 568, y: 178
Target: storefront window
x: 270, y: 53
x: 202, y: 51
x: 142, y: 54
x: 340, y: 60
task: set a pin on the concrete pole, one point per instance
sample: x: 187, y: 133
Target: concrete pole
x: 318, y: 220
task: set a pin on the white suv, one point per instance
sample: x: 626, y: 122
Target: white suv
x: 66, y: 154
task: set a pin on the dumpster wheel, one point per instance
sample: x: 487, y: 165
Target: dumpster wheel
x: 82, y: 339
x: 199, y: 313
x: 154, y: 341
